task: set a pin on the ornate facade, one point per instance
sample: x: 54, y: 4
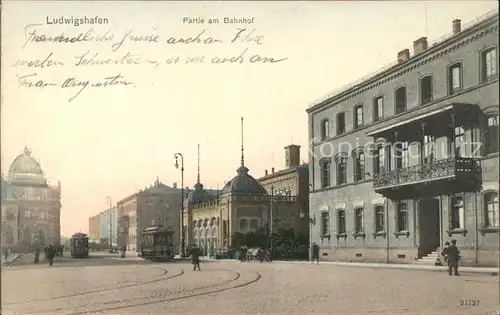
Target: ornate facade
x: 31, y: 208
x: 406, y: 160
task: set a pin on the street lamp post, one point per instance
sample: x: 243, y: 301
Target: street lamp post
x: 312, y: 222
x: 110, y: 203
x: 271, y: 220
x: 183, y: 241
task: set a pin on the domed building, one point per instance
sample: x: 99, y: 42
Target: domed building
x: 241, y: 206
x: 31, y: 206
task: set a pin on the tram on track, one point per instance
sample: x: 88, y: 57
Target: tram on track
x: 79, y: 245
x: 157, y: 243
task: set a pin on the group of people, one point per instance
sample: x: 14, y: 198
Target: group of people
x: 50, y: 254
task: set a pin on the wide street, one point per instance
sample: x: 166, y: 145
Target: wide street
x: 130, y: 286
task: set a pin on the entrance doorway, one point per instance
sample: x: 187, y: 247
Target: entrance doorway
x: 429, y: 225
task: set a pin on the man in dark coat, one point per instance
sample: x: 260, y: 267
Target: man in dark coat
x: 50, y: 254
x: 315, y: 253
x: 195, y: 258
x: 453, y: 255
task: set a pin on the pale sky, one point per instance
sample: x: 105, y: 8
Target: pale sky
x: 116, y: 140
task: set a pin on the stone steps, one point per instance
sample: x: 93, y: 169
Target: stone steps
x: 430, y: 259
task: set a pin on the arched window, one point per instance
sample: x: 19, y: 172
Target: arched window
x: 379, y: 219
x: 358, y: 220
x: 325, y: 173
x: 489, y: 64
x: 457, y: 213
x: 426, y: 90
x: 359, y: 165
x: 492, y: 134
x: 400, y: 100
x: 378, y: 108
x: 340, y: 124
x: 341, y: 160
x: 402, y: 216
x: 325, y: 129
x: 491, y: 209
x: 358, y: 116
x: 341, y: 228
x: 325, y: 223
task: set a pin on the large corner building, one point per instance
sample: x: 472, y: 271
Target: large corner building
x: 407, y: 159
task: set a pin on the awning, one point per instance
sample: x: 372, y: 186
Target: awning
x: 413, y: 116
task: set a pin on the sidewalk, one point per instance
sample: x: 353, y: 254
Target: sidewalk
x: 480, y: 270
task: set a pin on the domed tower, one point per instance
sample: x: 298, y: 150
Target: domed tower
x: 25, y: 170
x: 243, y: 183
x: 199, y: 194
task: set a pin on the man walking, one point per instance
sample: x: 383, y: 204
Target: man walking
x: 453, y: 256
x: 195, y: 258
x: 315, y: 253
x: 50, y: 254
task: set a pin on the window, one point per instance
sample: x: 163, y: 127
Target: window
x: 340, y: 124
x: 455, y: 78
x: 341, y: 221
x: 359, y: 166
x: 400, y: 97
x: 491, y: 209
x: 426, y: 90
x: 378, y: 108
x: 341, y: 170
x: 492, y: 135
x: 379, y: 219
x: 358, y: 224
x: 379, y: 160
x: 325, y: 223
x: 402, y: 216
x: 358, y: 116
x: 27, y: 213
x: 402, y: 155
x: 489, y: 64
x: 457, y: 213
x: 429, y: 148
x: 459, y: 141
x: 325, y: 129
x: 325, y: 174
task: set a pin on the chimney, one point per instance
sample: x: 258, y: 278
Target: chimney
x: 272, y: 170
x: 265, y: 173
x: 420, y: 45
x: 174, y: 185
x: 403, y: 55
x: 292, y: 156
x: 457, y: 27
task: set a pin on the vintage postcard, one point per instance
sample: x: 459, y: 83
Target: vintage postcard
x: 220, y: 157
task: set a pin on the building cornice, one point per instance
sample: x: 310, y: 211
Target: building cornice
x: 433, y: 53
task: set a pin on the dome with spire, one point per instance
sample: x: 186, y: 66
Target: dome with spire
x: 25, y: 167
x: 244, y: 184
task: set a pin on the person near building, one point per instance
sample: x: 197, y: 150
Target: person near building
x: 50, y: 255
x: 453, y: 257
x: 37, y: 255
x: 315, y: 253
x: 195, y: 258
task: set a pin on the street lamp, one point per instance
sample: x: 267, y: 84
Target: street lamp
x: 110, y: 203
x: 183, y: 241
x: 312, y: 222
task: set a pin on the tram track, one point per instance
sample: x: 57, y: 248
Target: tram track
x: 154, y: 280
x: 191, y: 293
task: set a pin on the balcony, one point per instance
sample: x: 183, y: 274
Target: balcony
x: 463, y: 172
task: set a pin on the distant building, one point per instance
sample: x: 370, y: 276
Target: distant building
x: 289, y: 188
x: 30, y: 206
x: 157, y: 205
x: 407, y: 159
x: 95, y: 228
x: 108, y: 225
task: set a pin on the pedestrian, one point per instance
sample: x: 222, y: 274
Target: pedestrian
x: 444, y: 253
x: 315, y: 253
x: 50, y: 255
x: 453, y: 257
x: 195, y: 258
x: 37, y: 255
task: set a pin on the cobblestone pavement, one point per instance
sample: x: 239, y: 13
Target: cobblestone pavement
x: 241, y: 288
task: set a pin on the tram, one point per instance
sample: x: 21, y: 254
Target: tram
x: 79, y: 245
x: 157, y: 243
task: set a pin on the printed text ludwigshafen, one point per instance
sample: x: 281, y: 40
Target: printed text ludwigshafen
x: 76, y: 21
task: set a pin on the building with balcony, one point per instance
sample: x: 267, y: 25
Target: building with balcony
x: 95, y: 228
x: 157, y: 205
x: 108, y: 225
x: 406, y: 159
x: 31, y: 208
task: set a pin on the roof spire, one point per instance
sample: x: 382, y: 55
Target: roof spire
x: 242, y: 154
x: 27, y: 151
x: 198, y: 178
